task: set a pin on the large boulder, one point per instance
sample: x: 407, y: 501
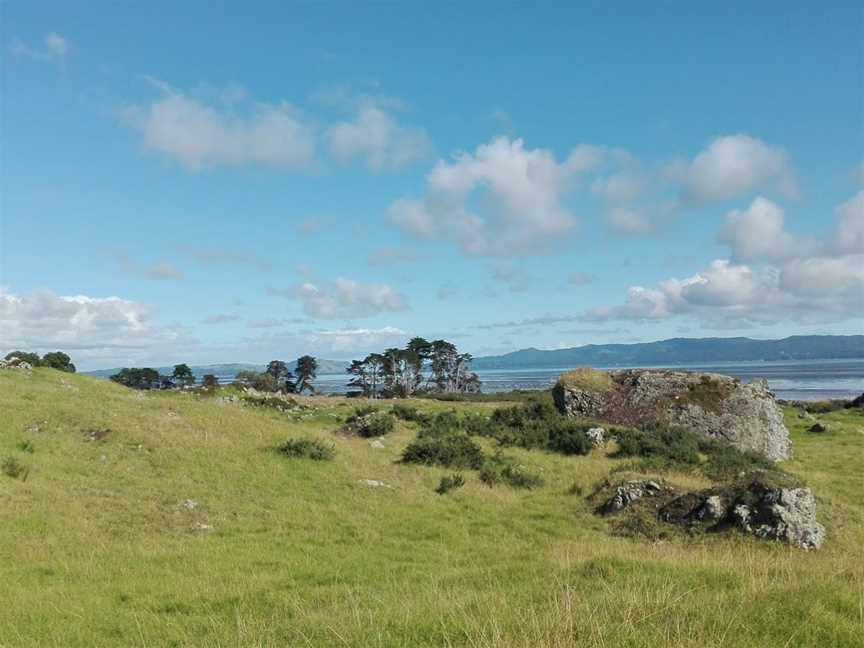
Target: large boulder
x: 716, y: 406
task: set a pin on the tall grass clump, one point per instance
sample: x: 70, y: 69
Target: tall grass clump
x: 13, y: 468
x: 499, y: 469
x: 450, y: 482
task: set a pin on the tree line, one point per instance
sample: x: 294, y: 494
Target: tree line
x: 420, y: 366
x: 277, y: 377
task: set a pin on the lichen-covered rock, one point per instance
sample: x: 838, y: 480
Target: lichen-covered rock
x: 818, y: 428
x: 15, y: 363
x: 597, y: 436
x: 716, y: 406
x: 784, y: 514
x: 628, y: 492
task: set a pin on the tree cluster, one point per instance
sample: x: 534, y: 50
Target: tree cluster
x: 147, y: 378
x: 55, y: 360
x: 277, y: 377
x: 420, y: 366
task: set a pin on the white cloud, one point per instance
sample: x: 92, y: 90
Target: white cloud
x: 356, y: 341
x: 376, y: 136
x: 502, y: 200
x: 772, y: 276
x: 850, y: 226
x: 54, y: 49
x: 199, y: 135
x: 345, y: 298
x: 629, y: 221
x: 757, y: 233
x: 106, y: 329
x: 733, y: 166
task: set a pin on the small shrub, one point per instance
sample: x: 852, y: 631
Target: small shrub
x: 670, y: 444
x: 374, y: 424
x: 363, y: 410
x: 450, y: 482
x: 727, y: 462
x: 504, y: 470
x: 409, y: 413
x: 449, y: 449
x: 13, y: 468
x: 307, y: 448
x: 569, y: 437
x: 476, y: 424
x: 26, y: 446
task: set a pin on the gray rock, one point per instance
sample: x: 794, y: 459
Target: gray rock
x: 712, y: 509
x: 15, y: 363
x: 597, y: 436
x: 720, y: 407
x: 629, y: 492
x: 375, y: 443
x: 818, y: 428
x: 372, y: 483
x: 189, y: 504
x: 787, y: 515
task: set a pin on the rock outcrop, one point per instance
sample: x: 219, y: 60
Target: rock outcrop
x: 716, y: 406
x: 764, y: 505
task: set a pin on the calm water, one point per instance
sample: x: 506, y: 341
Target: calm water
x: 791, y: 380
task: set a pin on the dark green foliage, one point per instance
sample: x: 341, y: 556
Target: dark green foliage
x: 25, y: 356
x: 273, y: 402
x: 307, y: 448
x: 375, y: 425
x: 450, y: 482
x: 516, y: 395
x: 26, y: 446
x: 138, y: 378
x: 500, y: 469
x: 671, y: 444
x: 536, y: 424
x: 183, y: 375
x: 409, y: 413
x: 13, y: 468
x: 727, y: 462
x: 307, y: 367
x: 363, y: 410
x: 58, y: 360
x: 452, y: 449
x: 209, y: 381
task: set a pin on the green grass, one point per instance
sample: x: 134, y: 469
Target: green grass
x: 98, y: 549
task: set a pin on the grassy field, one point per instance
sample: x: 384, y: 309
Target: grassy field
x: 99, y: 546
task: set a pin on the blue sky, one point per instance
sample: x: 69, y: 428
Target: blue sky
x: 218, y: 182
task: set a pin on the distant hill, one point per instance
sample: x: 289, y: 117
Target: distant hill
x: 229, y: 369
x: 681, y: 351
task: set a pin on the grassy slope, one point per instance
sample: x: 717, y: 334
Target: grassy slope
x: 97, y: 550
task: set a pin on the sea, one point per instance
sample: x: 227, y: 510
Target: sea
x: 789, y: 380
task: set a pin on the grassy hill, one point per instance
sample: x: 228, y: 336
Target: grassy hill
x: 164, y: 519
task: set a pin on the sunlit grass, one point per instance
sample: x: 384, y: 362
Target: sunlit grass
x: 99, y: 548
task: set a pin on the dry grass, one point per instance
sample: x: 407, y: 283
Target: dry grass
x: 588, y: 379
x: 99, y: 548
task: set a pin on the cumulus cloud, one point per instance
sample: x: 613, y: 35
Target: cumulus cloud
x: 771, y: 276
x: 501, y: 200
x: 758, y: 233
x: 110, y: 329
x: 53, y: 48
x: 344, y: 299
x: 376, y: 136
x: 199, y: 135
x: 630, y: 221
x: 733, y: 166
x: 349, y: 341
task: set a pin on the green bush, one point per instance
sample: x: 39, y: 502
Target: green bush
x: 670, y: 444
x: 504, y: 470
x: 727, y: 462
x: 369, y: 424
x: 449, y: 449
x: 13, y: 468
x: 409, y: 413
x: 450, y: 482
x: 26, y: 446
x: 307, y: 448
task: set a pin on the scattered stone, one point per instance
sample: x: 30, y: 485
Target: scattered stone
x: 818, y: 428
x: 711, y: 510
x: 629, y: 492
x: 16, y: 363
x: 376, y: 443
x: 783, y: 514
x: 231, y: 398
x: 372, y: 483
x: 96, y: 434
x: 201, y: 526
x: 807, y: 416
x: 716, y: 406
x: 189, y: 504
x: 597, y: 436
